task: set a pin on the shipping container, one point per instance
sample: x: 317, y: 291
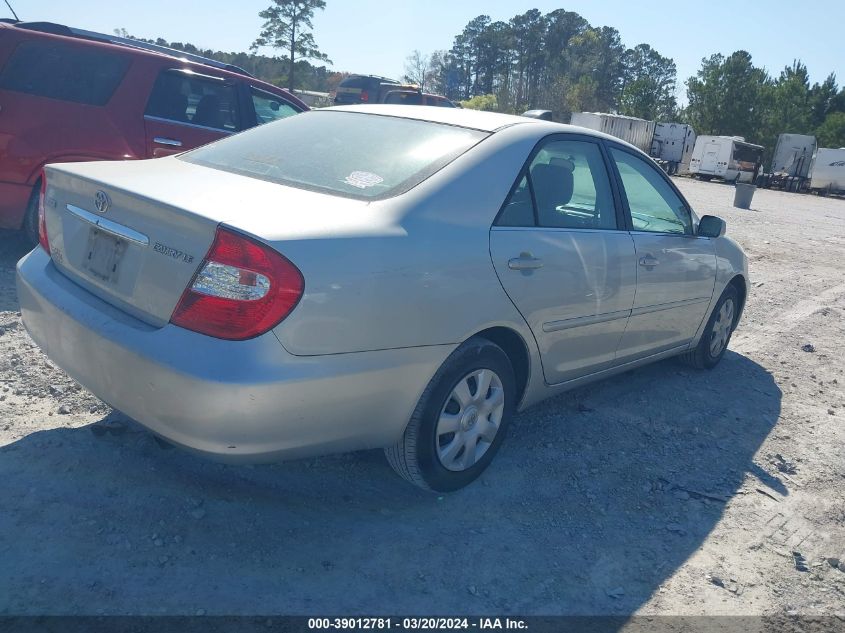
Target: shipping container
x: 728, y: 157
x: 637, y: 132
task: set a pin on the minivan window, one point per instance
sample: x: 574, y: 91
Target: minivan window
x: 350, y: 154
x: 185, y: 97
x: 269, y: 107
x: 59, y: 71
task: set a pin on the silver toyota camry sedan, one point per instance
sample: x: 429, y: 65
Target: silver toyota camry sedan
x: 374, y: 276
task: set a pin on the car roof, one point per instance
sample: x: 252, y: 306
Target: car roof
x: 196, y: 63
x: 476, y: 119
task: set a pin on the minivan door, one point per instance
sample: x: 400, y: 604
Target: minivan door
x: 186, y: 110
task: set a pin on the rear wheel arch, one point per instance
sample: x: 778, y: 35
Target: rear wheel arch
x: 514, y: 346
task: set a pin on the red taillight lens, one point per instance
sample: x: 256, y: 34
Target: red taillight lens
x: 364, y: 96
x: 243, y: 289
x: 42, y: 220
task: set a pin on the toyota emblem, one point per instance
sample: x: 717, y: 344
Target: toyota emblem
x: 102, y: 202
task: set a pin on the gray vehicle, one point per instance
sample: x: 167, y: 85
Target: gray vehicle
x: 372, y: 276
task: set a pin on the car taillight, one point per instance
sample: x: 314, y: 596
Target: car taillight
x: 242, y: 289
x: 364, y: 96
x: 42, y: 220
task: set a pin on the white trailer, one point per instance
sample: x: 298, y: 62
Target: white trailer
x: 637, y: 132
x: 827, y: 172
x: 672, y: 143
x: 791, y: 162
x: 730, y: 158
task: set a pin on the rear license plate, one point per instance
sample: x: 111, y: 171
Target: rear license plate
x: 104, y: 254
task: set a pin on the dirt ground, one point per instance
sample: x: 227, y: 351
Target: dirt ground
x: 661, y: 491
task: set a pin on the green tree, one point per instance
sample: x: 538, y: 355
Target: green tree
x: 831, y: 133
x: 726, y: 96
x: 482, y: 102
x: 287, y: 25
x: 823, y: 98
x: 648, y: 90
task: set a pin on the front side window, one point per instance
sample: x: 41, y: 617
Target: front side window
x: 184, y: 97
x: 269, y: 108
x: 68, y: 73
x: 363, y: 156
x: 570, y: 188
x: 655, y: 207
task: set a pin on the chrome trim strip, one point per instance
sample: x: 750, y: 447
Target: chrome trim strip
x: 109, y: 227
x: 150, y: 117
x: 565, y: 324
x: 668, y: 306
x: 194, y: 74
x: 163, y: 140
x: 557, y: 229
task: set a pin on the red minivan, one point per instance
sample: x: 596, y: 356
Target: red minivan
x: 70, y: 95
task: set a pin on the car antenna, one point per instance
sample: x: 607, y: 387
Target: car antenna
x: 13, y: 11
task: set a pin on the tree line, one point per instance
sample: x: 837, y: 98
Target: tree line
x: 560, y: 62
x: 273, y: 70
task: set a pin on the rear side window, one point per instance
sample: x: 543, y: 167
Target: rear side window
x: 569, y: 189
x: 350, y: 154
x: 196, y: 99
x: 68, y: 73
x: 404, y: 98
x: 354, y: 82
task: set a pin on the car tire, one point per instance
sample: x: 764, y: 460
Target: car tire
x: 429, y: 454
x: 30, y: 218
x: 717, y: 333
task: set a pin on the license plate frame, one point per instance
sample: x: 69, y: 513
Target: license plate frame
x: 103, y: 255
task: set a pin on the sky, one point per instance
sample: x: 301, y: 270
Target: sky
x: 376, y: 36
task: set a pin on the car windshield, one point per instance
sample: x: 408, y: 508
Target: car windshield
x: 356, y: 155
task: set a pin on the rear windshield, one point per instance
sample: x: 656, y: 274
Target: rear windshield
x: 356, y: 155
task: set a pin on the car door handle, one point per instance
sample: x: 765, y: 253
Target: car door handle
x: 163, y: 140
x: 525, y: 261
x: 649, y: 260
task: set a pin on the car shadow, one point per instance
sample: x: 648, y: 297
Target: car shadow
x: 13, y: 246
x: 595, y: 499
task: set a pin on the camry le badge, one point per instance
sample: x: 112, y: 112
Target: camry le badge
x: 102, y: 202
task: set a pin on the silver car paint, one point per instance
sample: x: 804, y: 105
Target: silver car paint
x: 414, y: 270
x: 672, y: 294
x: 238, y: 401
x: 578, y: 303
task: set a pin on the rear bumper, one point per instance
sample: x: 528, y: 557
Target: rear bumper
x: 13, y: 201
x: 233, y: 401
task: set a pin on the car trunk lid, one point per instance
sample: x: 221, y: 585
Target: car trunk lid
x: 135, y: 233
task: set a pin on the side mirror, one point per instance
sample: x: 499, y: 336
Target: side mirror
x: 711, y: 226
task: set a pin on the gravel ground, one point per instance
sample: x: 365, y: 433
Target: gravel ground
x: 661, y: 491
